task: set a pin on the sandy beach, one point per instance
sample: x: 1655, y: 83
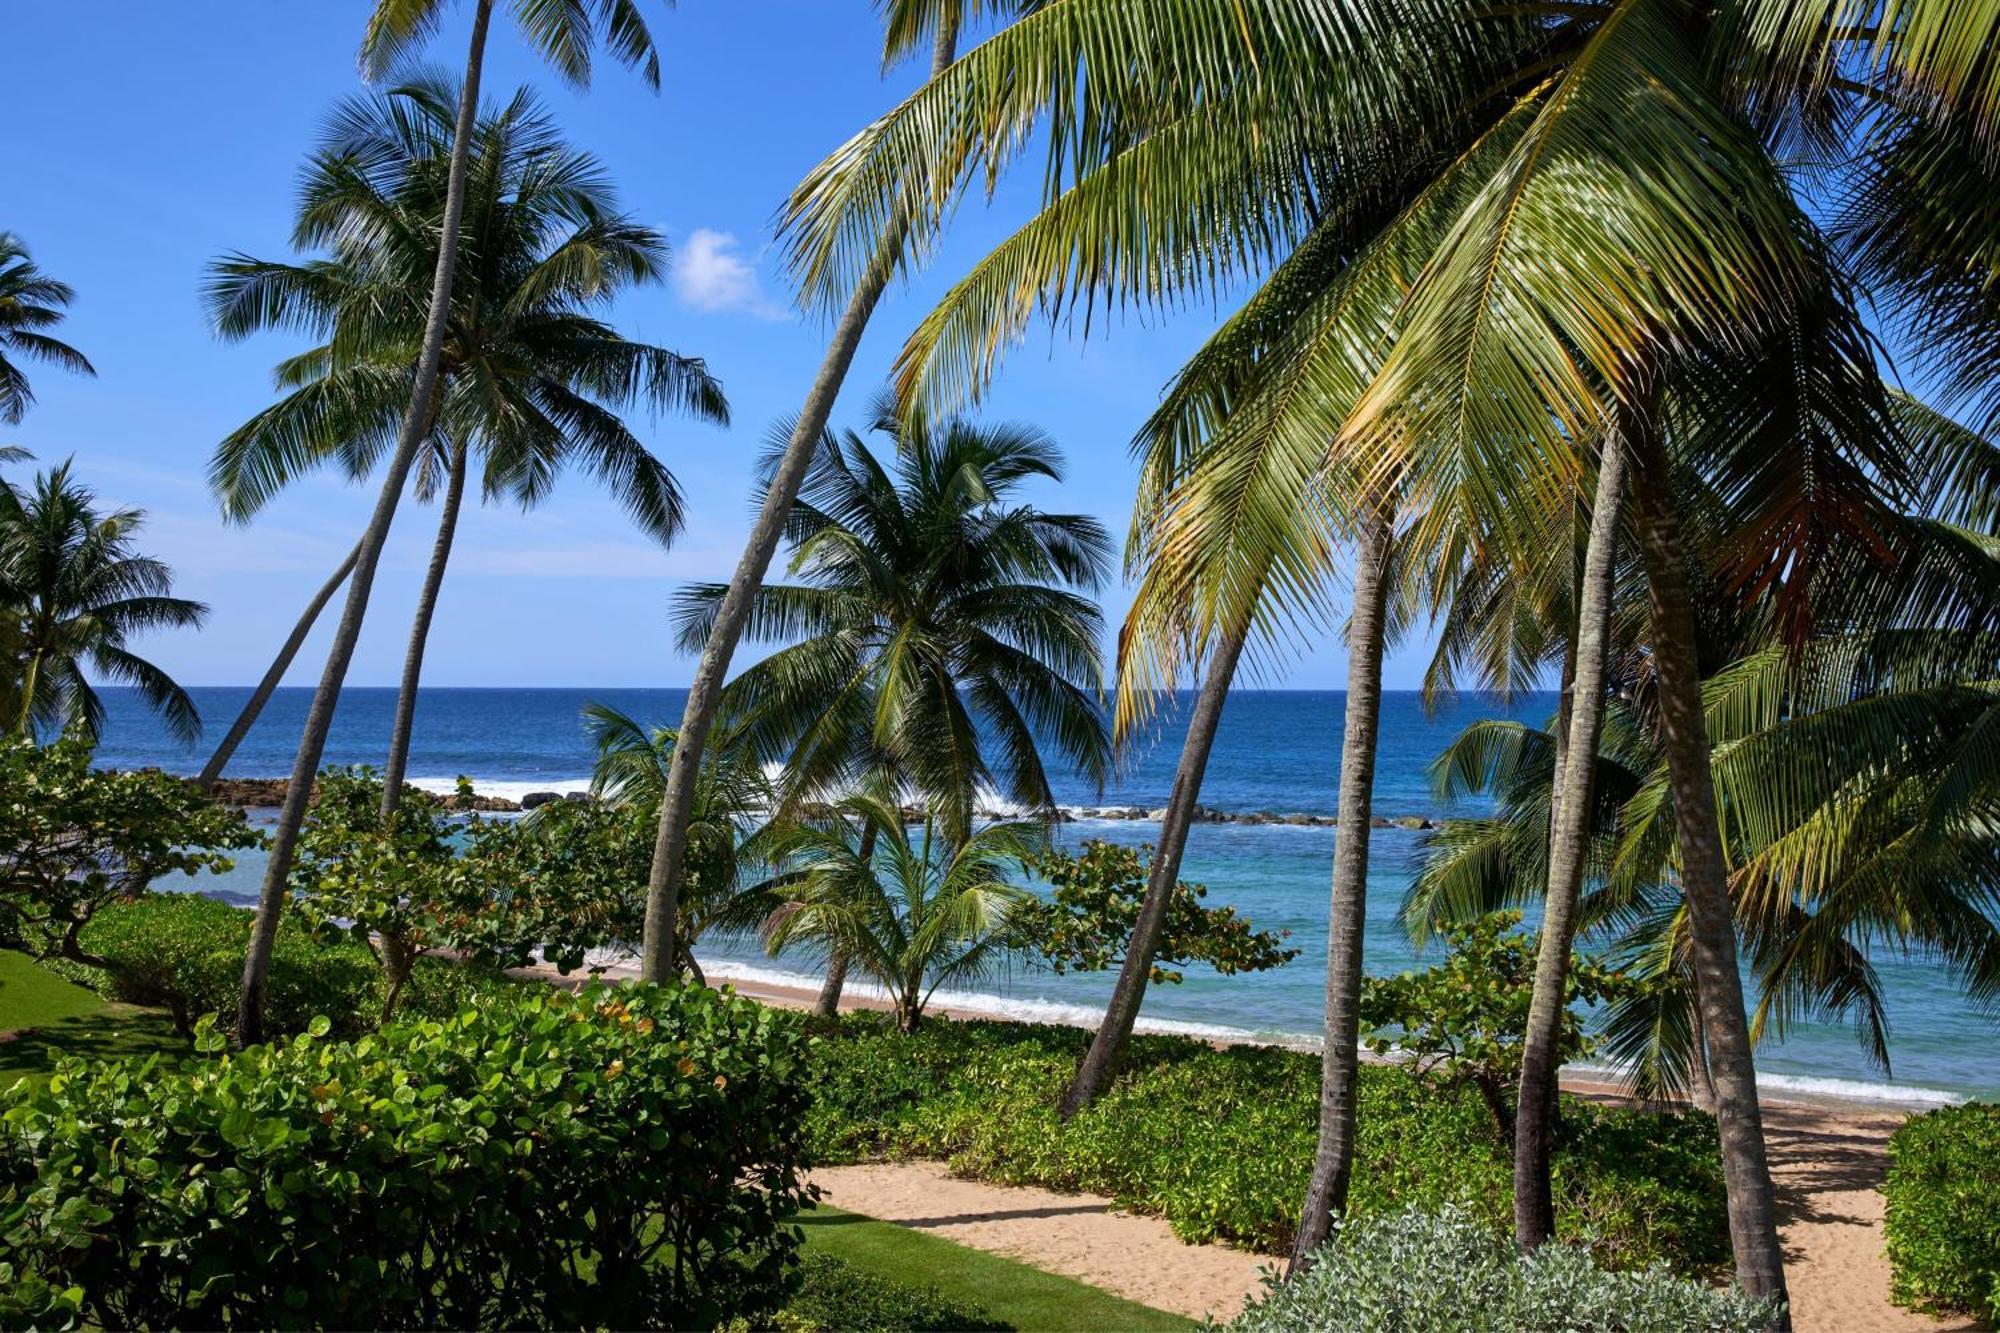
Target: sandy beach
x: 1828, y: 1158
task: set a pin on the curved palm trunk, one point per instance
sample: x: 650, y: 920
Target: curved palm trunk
x: 1333, y: 1163
x: 1753, y: 1227
x: 312, y: 744
x: 828, y: 1003
x: 705, y: 692
x: 280, y: 664
x: 24, y: 725
x: 1123, y: 1011
x: 1569, y: 842
x: 420, y: 632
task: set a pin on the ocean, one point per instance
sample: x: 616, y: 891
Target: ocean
x: 1276, y: 750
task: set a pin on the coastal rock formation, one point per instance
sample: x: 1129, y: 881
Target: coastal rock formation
x: 269, y: 794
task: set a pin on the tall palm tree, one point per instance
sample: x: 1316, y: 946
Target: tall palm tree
x: 529, y: 379
x: 31, y: 303
x: 908, y: 24
x: 939, y: 633
x: 1240, y: 133
x: 564, y: 34
x: 916, y: 913
x: 73, y: 591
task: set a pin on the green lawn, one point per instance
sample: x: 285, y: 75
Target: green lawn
x: 50, y: 1018
x: 1012, y: 1292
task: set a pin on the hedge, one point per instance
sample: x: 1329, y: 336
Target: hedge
x: 1219, y: 1142
x: 183, y: 952
x: 619, y: 1157
x: 1943, y: 1211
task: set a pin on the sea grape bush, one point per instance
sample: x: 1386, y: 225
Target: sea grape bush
x: 1218, y: 1142
x: 1445, y: 1271
x: 568, y: 881
x: 618, y: 1157
x: 1093, y: 906
x: 183, y: 952
x: 1465, y: 1020
x: 1943, y: 1211
x: 74, y: 839
x: 836, y: 1297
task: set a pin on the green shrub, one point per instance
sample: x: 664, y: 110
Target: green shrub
x: 620, y: 1157
x: 1219, y: 1142
x: 183, y: 952
x: 836, y: 1297
x: 1943, y: 1225
x: 1445, y: 1271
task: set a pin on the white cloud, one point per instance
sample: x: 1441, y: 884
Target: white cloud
x: 710, y: 275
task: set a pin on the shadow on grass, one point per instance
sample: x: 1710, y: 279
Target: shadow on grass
x: 113, y: 1032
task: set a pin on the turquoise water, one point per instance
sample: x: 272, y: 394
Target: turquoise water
x: 1276, y: 751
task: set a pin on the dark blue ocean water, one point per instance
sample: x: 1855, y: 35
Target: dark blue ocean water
x: 1276, y: 751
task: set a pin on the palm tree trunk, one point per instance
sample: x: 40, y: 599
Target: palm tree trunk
x: 1753, y: 1227
x: 30, y: 680
x: 420, y: 631
x: 282, y: 663
x: 705, y: 692
x: 1569, y: 843
x: 1123, y: 1011
x: 828, y: 1003
x: 1333, y: 1163
x: 312, y: 744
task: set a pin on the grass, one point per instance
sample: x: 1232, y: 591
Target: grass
x: 1012, y: 1292
x: 47, y: 1018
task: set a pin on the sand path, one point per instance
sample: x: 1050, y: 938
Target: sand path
x: 1076, y: 1235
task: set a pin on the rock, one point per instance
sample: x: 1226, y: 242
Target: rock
x: 478, y: 802
x: 252, y: 793
x: 1326, y: 821
x: 578, y: 796
x: 535, y: 800
x: 1380, y: 821
x: 1158, y: 814
x: 1412, y: 822
x: 1299, y: 819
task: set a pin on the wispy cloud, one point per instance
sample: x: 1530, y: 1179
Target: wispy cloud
x: 710, y: 275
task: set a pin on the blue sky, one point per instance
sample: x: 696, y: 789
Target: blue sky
x: 143, y: 140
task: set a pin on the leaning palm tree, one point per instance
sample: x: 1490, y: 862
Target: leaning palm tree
x: 73, y: 592
x: 916, y: 913
x: 1251, y: 134
x: 564, y: 34
x: 940, y: 631
x: 31, y: 303
x: 909, y: 24
x: 530, y: 379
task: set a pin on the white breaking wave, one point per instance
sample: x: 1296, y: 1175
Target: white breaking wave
x: 512, y: 791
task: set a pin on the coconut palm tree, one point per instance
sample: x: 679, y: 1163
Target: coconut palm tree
x: 73, y: 591
x: 1239, y: 133
x: 565, y: 35
x: 31, y: 303
x: 530, y: 379
x: 940, y: 632
x: 918, y: 912
x: 909, y: 25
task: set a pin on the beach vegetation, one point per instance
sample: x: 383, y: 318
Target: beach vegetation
x: 836, y: 1297
x: 1086, y: 920
x: 624, y: 1157
x: 74, y: 591
x: 1218, y: 1142
x: 1942, y: 1229
x: 75, y: 841
x: 183, y: 953
x: 31, y: 303
x: 1465, y: 1019
x: 1445, y: 1271
x: 918, y: 911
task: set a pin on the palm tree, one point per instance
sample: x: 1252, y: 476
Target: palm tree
x: 1256, y: 134
x: 940, y: 633
x: 31, y: 302
x: 73, y: 591
x: 915, y: 913
x: 909, y: 23
x: 529, y: 378
x: 564, y: 34
x: 732, y: 830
